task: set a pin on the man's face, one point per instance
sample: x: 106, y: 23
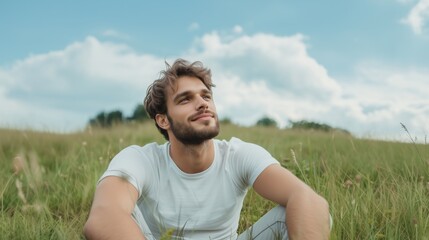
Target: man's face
x: 191, y: 112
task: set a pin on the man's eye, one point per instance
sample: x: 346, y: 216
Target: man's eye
x: 184, y: 100
x: 207, y: 97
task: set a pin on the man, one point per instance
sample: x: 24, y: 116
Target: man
x: 193, y: 186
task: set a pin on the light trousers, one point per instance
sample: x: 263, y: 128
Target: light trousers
x: 271, y: 226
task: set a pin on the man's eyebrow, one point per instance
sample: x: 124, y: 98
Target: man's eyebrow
x: 180, y: 95
x: 205, y: 91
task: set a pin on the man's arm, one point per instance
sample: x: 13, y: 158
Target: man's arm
x: 307, y: 212
x: 110, y: 215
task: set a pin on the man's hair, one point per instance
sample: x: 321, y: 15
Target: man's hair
x: 155, y: 101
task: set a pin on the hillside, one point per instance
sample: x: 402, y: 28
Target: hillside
x: 376, y: 189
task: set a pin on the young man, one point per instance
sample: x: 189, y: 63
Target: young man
x: 193, y: 186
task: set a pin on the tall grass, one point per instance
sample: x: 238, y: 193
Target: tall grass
x: 376, y: 189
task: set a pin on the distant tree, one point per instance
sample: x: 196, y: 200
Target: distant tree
x: 114, y: 117
x: 139, y: 113
x: 100, y: 120
x: 303, y: 124
x: 104, y: 119
x: 266, y: 122
x: 226, y: 120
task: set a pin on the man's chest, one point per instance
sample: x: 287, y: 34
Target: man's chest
x: 196, y: 203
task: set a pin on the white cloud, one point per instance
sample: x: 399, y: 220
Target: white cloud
x: 381, y: 97
x: 237, y: 29
x: 256, y: 75
x: 194, y: 26
x: 418, y: 16
x: 282, y: 62
x: 75, y: 83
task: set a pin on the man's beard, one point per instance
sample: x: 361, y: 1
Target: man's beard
x: 190, y: 136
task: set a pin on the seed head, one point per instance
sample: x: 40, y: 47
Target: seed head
x: 348, y: 183
x: 358, y: 178
x: 18, y: 164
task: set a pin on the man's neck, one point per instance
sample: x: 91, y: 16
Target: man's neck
x: 192, y: 158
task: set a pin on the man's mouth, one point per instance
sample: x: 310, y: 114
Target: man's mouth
x: 202, y: 116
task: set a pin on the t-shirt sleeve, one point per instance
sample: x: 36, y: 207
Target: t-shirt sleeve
x: 249, y: 160
x: 131, y: 165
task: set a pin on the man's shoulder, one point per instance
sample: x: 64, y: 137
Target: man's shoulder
x: 148, y: 150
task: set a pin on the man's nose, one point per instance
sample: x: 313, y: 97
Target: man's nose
x: 202, y: 103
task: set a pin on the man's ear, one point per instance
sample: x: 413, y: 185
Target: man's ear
x: 162, y: 121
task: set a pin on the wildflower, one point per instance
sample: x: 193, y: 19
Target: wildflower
x: 84, y: 143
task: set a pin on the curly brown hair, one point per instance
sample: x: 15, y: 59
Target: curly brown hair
x: 155, y: 101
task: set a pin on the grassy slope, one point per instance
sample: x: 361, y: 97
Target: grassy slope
x: 377, y: 190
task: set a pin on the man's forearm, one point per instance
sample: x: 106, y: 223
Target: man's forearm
x: 107, y: 225
x: 307, y: 217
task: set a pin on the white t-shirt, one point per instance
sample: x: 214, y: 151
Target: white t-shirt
x: 204, y: 205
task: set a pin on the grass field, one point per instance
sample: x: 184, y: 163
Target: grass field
x: 376, y: 189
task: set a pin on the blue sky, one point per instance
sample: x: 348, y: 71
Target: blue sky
x: 358, y: 65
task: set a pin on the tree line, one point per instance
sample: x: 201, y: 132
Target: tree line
x: 109, y: 119
x: 302, y: 124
